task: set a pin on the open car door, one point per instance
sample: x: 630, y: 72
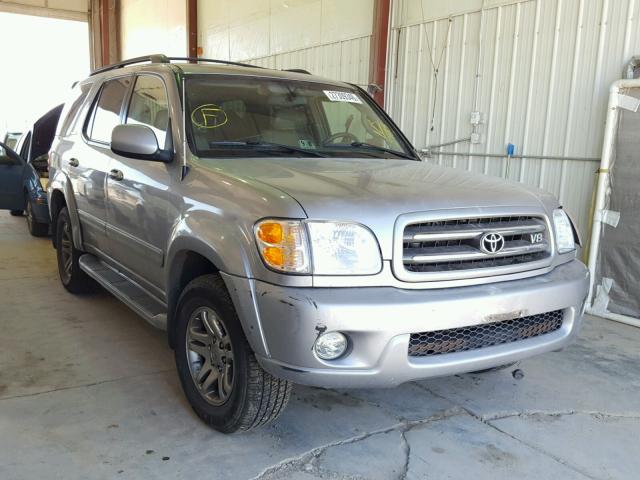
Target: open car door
x: 12, y: 172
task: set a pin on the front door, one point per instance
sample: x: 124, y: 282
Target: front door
x: 88, y: 162
x: 12, y: 171
x: 140, y: 202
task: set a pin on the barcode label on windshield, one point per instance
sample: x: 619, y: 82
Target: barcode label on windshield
x: 342, y: 96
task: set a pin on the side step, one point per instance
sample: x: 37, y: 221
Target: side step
x: 133, y: 295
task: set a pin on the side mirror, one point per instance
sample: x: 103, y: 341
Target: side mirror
x: 138, y: 141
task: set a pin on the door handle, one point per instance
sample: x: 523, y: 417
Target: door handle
x: 116, y: 175
x: 74, y: 162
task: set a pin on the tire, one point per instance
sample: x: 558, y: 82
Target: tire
x: 255, y: 397
x: 71, y: 276
x: 16, y: 213
x: 37, y: 229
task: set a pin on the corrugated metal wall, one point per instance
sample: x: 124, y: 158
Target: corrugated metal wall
x: 331, y: 38
x: 544, y: 69
x: 148, y: 26
x: 346, y: 60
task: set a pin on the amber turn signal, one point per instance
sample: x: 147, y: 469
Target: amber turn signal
x: 274, y: 256
x: 282, y: 245
x: 270, y: 232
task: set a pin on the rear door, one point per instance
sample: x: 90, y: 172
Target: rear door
x: 87, y: 163
x: 12, y: 171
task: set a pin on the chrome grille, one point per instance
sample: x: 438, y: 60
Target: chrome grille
x: 427, y: 344
x: 455, y: 244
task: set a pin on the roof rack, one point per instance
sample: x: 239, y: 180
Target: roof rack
x: 160, y: 58
x: 147, y: 58
x: 212, y: 60
x: 297, y: 70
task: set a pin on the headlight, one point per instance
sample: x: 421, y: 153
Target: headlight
x: 337, y: 248
x: 564, y: 231
x: 341, y: 248
x: 283, y: 245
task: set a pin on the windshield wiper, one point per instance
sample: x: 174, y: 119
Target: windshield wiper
x: 266, y: 146
x: 371, y: 146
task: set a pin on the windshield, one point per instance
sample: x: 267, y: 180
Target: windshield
x: 251, y: 116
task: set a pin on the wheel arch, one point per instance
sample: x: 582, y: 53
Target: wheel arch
x: 194, y: 258
x: 188, y: 259
x: 61, y: 195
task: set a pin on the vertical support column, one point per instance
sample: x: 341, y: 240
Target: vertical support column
x: 192, y: 28
x: 379, y: 43
x: 105, y: 33
x: 103, y: 30
x: 94, y: 34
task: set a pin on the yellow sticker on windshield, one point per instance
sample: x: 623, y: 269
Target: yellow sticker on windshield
x: 381, y: 130
x: 209, y: 116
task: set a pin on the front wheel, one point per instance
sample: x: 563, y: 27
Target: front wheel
x: 220, y: 375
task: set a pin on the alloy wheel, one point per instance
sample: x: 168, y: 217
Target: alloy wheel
x: 210, y: 356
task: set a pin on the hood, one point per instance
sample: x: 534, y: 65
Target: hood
x: 44, y: 129
x: 375, y: 192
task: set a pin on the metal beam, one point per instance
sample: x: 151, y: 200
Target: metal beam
x: 379, y: 42
x: 104, y: 33
x: 192, y: 28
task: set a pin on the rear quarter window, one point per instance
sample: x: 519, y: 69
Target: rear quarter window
x: 24, y: 148
x: 72, y: 109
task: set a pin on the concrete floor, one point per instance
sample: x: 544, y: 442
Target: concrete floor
x: 88, y: 390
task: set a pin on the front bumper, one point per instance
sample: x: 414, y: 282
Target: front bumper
x: 41, y: 213
x: 282, y: 324
x: 39, y: 206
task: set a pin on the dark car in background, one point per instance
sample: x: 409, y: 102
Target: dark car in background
x: 23, y: 171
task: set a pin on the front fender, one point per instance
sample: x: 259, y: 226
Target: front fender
x: 229, y: 246
x: 195, y: 233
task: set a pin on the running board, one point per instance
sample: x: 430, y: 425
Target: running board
x: 130, y: 293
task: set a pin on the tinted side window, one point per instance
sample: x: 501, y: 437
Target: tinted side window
x: 149, y: 107
x: 106, y: 113
x: 70, y: 113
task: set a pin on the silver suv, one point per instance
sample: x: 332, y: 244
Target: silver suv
x: 281, y: 228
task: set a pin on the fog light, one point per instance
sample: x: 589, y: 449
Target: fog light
x: 331, y: 345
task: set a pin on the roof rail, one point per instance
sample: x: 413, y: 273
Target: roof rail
x: 212, y: 60
x: 159, y: 58
x: 297, y: 70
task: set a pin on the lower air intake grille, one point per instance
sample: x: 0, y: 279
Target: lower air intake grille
x: 427, y: 344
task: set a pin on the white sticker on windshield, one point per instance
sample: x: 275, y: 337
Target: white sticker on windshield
x: 335, y: 96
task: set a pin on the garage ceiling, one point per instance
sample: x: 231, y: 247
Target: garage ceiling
x: 66, y: 9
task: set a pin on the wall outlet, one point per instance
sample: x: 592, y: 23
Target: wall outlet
x: 476, y: 138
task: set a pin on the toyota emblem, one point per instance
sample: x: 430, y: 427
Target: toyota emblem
x: 492, y: 242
